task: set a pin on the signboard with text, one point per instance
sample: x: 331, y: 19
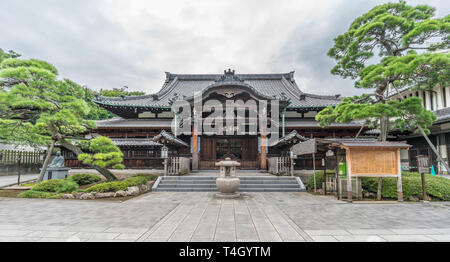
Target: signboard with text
x: 305, y: 148
x: 423, y: 164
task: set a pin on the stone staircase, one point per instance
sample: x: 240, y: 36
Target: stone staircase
x: 248, y: 184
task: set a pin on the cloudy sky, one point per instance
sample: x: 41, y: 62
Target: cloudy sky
x: 112, y: 43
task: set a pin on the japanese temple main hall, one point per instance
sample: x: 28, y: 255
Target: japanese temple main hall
x: 144, y: 124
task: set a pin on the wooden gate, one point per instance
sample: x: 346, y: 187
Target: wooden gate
x: 176, y: 166
x: 280, y: 165
x: 173, y: 166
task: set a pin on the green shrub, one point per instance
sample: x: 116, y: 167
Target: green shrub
x: 119, y: 185
x: 84, y: 179
x: 438, y: 188
x: 107, y: 187
x: 319, y: 179
x: 56, y: 186
x: 40, y: 194
x: 136, y: 180
x: 184, y: 171
x: 152, y: 177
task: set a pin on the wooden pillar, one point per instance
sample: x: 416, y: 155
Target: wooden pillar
x: 263, y: 164
x: 399, y: 178
x: 176, y: 124
x: 359, y: 188
x: 349, y: 176
x: 338, y: 195
x: 195, y: 156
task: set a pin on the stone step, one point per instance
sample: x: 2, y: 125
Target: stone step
x: 248, y: 184
x: 240, y: 190
x: 187, y: 186
x: 243, y: 182
x: 186, y: 190
x: 215, y: 177
x: 241, y: 186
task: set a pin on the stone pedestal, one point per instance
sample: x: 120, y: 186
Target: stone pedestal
x: 228, y: 184
x: 56, y: 173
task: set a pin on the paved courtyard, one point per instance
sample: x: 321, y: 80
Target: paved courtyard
x: 166, y: 216
x: 12, y: 179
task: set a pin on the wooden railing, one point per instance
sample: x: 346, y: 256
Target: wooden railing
x: 11, y: 157
x: 280, y: 165
x: 175, y: 165
x: 132, y: 162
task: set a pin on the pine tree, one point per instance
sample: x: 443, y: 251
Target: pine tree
x: 399, y: 33
x: 36, y: 108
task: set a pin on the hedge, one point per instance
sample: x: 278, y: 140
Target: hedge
x: 84, y: 179
x: 119, y: 185
x: 56, y: 186
x: 40, y: 194
x: 319, y: 179
x: 152, y: 177
x: 438, y: 188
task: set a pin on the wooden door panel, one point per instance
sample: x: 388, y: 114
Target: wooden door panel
x: 249, y: 153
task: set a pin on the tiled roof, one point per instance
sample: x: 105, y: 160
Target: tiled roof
x: 442, y: 115
x: 376, y: 144
x: 18, y: 147
x: 300, y: 123
x: 170, y: 138
x: 372, y: 132
x: 185, y: 85
x: 364, y: 142
x: 135, y: 123
x: 134, y: 142
x: 286, y: 139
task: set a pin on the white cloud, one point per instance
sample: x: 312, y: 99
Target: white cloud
x: 111, y: 43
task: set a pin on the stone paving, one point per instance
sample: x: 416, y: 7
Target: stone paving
x: 170, y: 216
x: 12, y: 179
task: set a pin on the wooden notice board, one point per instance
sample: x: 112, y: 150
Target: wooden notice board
x: 368, y: 161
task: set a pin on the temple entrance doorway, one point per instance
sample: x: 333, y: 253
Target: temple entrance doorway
x: 242, y: 149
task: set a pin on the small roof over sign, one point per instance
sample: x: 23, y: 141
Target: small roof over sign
x: 292, y: 137
x: 362, y: 142
x: 169, y: 138
x: 313, y: 145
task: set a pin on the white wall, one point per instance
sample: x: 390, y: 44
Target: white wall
x: 437, y: 93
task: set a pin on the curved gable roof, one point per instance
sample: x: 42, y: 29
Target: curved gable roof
x: 182, y: 86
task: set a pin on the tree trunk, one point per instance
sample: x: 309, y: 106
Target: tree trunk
x: 439, y: 158
x: 384, y: 128
x: 46, y: 161
x: 77, y: 151
x: 380, y: 186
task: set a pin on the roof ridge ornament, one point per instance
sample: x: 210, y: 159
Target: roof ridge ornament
x: 229, y: 76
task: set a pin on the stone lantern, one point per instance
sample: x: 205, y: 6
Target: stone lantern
x: 228, y: 184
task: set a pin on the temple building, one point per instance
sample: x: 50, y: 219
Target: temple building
x: 144, y: 124
x: 436, y: 100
